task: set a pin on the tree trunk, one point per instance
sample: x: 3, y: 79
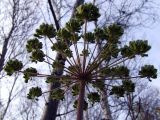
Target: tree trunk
x: 52, y: 106
x: 105, y: 105
x: 50, y: 112
x: 4, y: 48
x: 104, y: 96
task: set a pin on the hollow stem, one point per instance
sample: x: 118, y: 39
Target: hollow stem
x: 81, y: 101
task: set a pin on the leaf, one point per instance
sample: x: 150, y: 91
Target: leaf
x: 99, y: 34
x: 113, y: 33
x: 128, y: 86
x: 37, y: 55
x: 85, y: 104
x: 74, y: 25
x: 34, y: 92
x: 117, y: 90
x: 33, y: 44
x: 58, y: 94
x: 63, y: 34
x: 45, y: 30
x: 89, y: 37
x: 29, y: 72
x: 75, y: 89
x: 148, y: 71
x: 93, y: 97
x: 87, y: 12
x: 13, y: 66
x: 138, y: 47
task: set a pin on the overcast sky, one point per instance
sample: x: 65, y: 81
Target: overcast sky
x: 152, y: 34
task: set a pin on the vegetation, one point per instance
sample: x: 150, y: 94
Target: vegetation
x: 85, y: 68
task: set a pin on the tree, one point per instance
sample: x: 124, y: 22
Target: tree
x: 145, y: 103
x: 17, y: 22
x: 83, y: 73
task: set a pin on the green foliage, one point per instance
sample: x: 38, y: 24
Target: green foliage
x: 29, y: 72
x: 113, y: 33
x: 37, y: 55
x: 63, y: 34
x: 99, y: 34
x: 138, y: 47
x: 94, y: 97
x: 117, y: 90
x: 66, y: 79
x: 87, y: 12
x: 75, y: 89
x: 119, y: 71
x: 58, y: 64
x: 58, y: 94
x: 34, y: 92
x: 127, y: 87
x: 45, y: 30
x: 148, y: 71
x: 74, y: 25
x: 51, y: 79
x: 62, y: 47
x: 33, y: 44
x: 73, y: 68
x: 85, y: 104
x: 66, y: 36
x: 89, y: 37
x: 94, y: 68
x: 13, y: 66
x: 127, y: 52
x: 59, y: 46
x: 109, y: 50
x: 74, y: 38
x: 85, y: 53
x: 98, y: 84
x: 34, y: 47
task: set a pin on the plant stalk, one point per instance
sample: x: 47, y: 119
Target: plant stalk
x: 81, y: 101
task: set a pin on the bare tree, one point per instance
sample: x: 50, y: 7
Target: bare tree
x: 145, y: 104
x: 17, y: 22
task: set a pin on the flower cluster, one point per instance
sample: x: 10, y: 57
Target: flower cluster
x: 93, y: 69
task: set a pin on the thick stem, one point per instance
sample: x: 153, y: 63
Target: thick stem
x: 81, y: 101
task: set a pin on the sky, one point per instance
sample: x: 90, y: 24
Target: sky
x: 152, y: 34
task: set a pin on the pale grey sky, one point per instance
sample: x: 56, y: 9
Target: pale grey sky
x: 152, y: 34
